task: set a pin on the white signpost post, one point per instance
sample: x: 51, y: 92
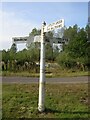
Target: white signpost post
x: 50, y: 27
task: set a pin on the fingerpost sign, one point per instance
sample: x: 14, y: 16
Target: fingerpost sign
x: 45, y: 28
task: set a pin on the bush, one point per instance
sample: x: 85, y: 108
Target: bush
x: 65, y: 60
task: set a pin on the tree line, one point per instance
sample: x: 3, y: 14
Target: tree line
x: 75, y: 54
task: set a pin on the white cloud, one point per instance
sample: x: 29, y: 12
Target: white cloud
x: 13, y: 26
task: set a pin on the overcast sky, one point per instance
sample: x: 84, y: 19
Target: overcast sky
x: 18, y: 19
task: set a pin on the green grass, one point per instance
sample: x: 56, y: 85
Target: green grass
x: 62, y: 101
x: 52, y: 73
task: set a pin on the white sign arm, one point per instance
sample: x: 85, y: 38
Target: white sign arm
x: 54, y: 25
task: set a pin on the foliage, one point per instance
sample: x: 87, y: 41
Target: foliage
x: 13, y: 48
x: 65, y: 60
x: 48, y: 52
x: 35, y: 32
x: 5, y: 56
x: 77, y: 49
x: 77, y: 46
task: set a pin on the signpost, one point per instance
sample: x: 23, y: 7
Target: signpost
x: 41, y: 106
x: 50, y: 27
x: 45, y: 28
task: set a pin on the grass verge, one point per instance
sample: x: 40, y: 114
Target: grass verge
x: 57, y: 73
x: 62, y: 101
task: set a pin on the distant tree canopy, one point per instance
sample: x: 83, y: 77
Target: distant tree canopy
x: 35, y: 32
x: 76, y: 51
x: 13, y: 48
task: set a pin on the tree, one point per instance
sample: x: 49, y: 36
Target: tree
x: 87, y: 28
x: 5, y: 58
x: 77, y: 49
x: 49, y: 52
x: 12, y: 52
x: 35, y: 32
x: 77, y: 46
x: 71, y: 32
x: 13, y: 48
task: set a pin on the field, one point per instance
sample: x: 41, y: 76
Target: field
x: 62, y: 101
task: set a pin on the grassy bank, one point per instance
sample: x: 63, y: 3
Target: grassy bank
x: 55, y: 73
x: 62, y: 101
